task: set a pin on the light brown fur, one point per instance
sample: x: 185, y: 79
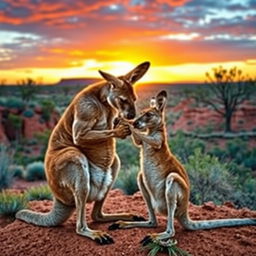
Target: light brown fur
x: 163, y: 180
x: 81, y: 162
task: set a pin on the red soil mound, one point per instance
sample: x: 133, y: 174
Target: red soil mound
x: 19, y: 238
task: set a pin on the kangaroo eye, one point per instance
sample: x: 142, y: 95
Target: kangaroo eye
x: 149, y: 114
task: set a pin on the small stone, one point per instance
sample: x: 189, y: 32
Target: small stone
x: 209, y: 206
x: 230, y: 204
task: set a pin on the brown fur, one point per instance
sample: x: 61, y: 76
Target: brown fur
x: 81, y: 162
x: 163, y: 180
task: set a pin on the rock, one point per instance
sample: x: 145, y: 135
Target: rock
x: 230, y: 204
x: 209, y: 206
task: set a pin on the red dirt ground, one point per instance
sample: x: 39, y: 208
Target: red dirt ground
x: 19, y: 238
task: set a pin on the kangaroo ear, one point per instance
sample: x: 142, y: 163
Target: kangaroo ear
x: 137, y: 73
x: 115, y: 82
x: 161, y: 100
x: 153, y: 102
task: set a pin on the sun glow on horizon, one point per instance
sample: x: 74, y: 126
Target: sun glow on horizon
x: 190, y: 72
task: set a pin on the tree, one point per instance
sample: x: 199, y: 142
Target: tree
x: 28, y: 87
x: 226, y: 90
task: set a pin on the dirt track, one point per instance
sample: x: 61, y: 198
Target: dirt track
x: 19, y: 238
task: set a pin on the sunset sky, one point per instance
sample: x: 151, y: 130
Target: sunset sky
x: 54, y: 39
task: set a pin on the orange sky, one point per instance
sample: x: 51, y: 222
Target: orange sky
x: 50, y: 40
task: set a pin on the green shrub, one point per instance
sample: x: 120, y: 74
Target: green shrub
x: 35, y: 171
x: 210, y: 179
x: 245, y: 194
x: 127, y: 180
x: 5, y: 174
x: 47, y: 109
x: 14, y: 102
x: 2, y: 102
x: 15, y: 120
x: 250, y: 162
x: 11, y: 203
x: 28, y: 113
x: 39, y: 193
x: 183, y: 146
x: 128, y: 153
x: 17, y: 170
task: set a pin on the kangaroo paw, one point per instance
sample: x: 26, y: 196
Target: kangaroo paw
x: 104, y: 239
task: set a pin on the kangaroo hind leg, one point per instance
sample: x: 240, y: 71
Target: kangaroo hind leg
x: 81, y: 191
x: 173, y: 194
x: 151, y: 222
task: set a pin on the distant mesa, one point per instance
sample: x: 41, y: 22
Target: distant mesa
x: 76, y: 81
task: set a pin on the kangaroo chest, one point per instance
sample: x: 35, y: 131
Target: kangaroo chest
x: 152, y: 174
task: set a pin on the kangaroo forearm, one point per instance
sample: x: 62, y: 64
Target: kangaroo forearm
x: 152, y: 141
x: 136, y: 140
x: 94, y: 135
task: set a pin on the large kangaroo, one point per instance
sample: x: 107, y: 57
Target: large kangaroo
x: 163, y: 180
x: 81, y: 162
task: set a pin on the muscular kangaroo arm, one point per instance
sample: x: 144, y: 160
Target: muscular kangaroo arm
x: 82, y: 133
x: 85, y: 117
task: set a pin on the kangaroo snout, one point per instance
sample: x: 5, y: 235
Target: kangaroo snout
x: 131, y: 115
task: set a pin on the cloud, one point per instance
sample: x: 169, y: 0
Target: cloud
x: 59, y: 34
x: 181, y: 36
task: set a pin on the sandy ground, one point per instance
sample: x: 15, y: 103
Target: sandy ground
x: 19, y: 238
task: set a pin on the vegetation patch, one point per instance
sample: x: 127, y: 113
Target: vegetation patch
x: 11, y: 203
x: 39, y: 193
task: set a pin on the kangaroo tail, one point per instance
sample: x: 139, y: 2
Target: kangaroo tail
x: 59, y: 214
x: 189, y: 224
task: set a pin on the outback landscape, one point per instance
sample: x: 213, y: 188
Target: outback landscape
x: 201, y: 52
x: 221, y: 165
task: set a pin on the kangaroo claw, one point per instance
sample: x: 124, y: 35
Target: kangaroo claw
x: 104, y: 239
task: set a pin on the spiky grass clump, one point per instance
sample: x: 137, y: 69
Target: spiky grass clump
x: 170, y: 247
x: 11, y: 203
x: 35, y: 171
x: 39, y: 193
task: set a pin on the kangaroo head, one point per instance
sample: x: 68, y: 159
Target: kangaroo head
x: 122, y: 94
x: 152, y: 117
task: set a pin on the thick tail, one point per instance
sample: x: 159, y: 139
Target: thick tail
x: 59, y: 214
x: 189, y: 224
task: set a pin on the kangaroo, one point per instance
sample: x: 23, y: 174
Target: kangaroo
x: 163, y: 180
x: 81, y: 162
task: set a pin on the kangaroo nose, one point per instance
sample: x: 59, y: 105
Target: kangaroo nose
x: 131, y: 115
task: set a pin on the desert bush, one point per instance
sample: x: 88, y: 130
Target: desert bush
x: 35, y: 171
x: 245, y: 194
x: 14, y: 102
x: 11, y: 203
x: 210, y: 179
x: 43, y: 138
x: 127, y: 180
x: 6, y: 175
x: 47, y: 109
x: 28, y: 113
x: 183, y: 147
x: 128, y: 153
x: 236, y: 150
x: 39, y: 193
x: 17, y: 170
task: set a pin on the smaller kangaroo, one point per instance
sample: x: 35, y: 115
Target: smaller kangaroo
x: 163, y: 180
